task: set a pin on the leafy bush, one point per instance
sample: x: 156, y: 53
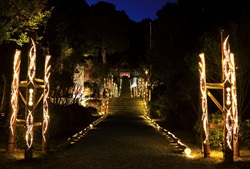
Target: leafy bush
x: 244, y: 132
x: 216, y: 139
x: 65, y: 118
x: 155, y: 111
x: 20, y: 136
x: 215, y: 135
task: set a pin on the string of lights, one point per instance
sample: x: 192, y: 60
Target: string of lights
x: 228, y: 74
x: 15, y: 89
x: 46, y: 97
x: 229, y: 110
x: 203, y: 90
x: 31, y: 86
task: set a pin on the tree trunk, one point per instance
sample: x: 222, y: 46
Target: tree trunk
x: 4, y: 93
x: 104, y: 56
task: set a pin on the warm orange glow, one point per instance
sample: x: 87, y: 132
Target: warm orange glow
x: 31, y: 85
x: 91, y: 126
x: 227, y: 72
x: 187, y: 151
x: 31, y: 94
x: 234, y: 99
x: 203, y: 90
x: 32, y: 62
x: 46, y: 96
x: 76, y: 137
x: 104, y: 106
x: 29, y: 132
x: 177, y: 142
x: 79, y: 90
x: 15, y: 89
x: 230, y: 111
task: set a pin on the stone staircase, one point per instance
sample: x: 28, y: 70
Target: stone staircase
x: 125, y: 91
x: 126, y: 104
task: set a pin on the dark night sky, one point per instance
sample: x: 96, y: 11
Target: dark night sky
x: 137, y: 9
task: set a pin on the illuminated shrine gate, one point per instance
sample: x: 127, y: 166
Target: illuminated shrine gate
x: 31, y: 85
x: 229, y: 108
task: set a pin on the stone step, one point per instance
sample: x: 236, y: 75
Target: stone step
x: 125, y: 99
x: 125, y: 110
x: 128, y: 104
x: 124, y: 107
x: 125, y: 103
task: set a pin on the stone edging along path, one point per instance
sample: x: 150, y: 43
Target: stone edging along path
x: 175, y: 141
x: 76, y: 137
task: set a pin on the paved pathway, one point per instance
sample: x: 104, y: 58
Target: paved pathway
x: 125, y: 91
x: 123, y: 140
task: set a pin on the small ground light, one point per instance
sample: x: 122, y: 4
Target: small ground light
x: 187, y: 151
x: 91, y: 126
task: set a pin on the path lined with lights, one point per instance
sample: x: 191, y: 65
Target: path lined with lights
x: 122, y: 140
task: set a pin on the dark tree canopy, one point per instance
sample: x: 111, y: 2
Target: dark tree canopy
x: 186, y: 28
x: 76, y: 31
x: 103, y: 29
x: 18, y: 17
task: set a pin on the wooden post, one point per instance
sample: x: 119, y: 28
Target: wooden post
x: 227, y: 104
x: 14, y: 100
x: 46, y: 104
x: 30, y: 97
x: 204, y: 107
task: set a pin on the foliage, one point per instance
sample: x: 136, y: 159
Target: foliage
x: 244, y: 132
x: 172, y: 44
x: 83, y: 34
x: 158, y: 99
x: 18, y: 17
x: 181, y: 32
x: 100, y: 72
x: 215, y: 135
x: 239, y: 40
x: 154, y: 111
x: 103, y: 28
x: 20, y: 139
x: 65, y: 119
x: 94, y: 103
x: 211, y: 46
x: 181, y: 113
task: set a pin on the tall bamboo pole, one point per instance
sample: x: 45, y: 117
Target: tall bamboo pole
x: 14, y: 101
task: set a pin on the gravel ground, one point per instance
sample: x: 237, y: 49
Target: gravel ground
x: 122, y: 141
